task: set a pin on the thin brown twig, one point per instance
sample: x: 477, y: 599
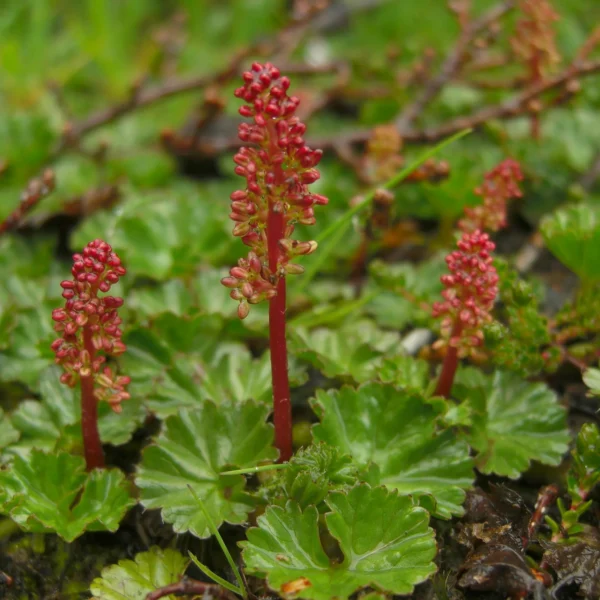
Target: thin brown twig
x: 140, y: 98
x: 37, y: 189
x: 191, y: 587
x: 288, y: 38
x: 514, y: 106
x: 451, y: 65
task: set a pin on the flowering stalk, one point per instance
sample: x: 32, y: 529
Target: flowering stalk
x: 471, y: 288
x: 535, y: 43
x: 278, y: 167
x: 89, y: 325
x: 500, y: 185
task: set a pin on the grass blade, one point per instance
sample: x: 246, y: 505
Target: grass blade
x: 334, y: 233
x: 333, y: 313
x: 215, y: 532
x: 222, y: 582
x: 272, y: 467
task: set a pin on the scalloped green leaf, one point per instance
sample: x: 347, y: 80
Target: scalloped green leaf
x: 8, y: 432
x: 591, y: 378
x: 171, y: 296
x: 52, y: 492
x: 353, y: 352
x: 164, y: 233
x: 182, y: 361
x: 135, y: 579
x: 53, y: 421
x: 513, y: 423
x: 392, y: 306
x: 405, y: 372
x: 401, y: 432
x: 572, y: 234
x: 28, y: 352
x: 384, y: 538
x: 194, y: 447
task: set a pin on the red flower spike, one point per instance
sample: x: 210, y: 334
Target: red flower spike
x: 500, y: 185
x: 278, y: 169
x: 469, y: 294
x: 88, y: 325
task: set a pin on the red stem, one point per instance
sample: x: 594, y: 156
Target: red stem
x: 92, y: 447
x: 282, y: 407
x: 444, y: 384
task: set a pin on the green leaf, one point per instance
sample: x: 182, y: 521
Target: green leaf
x: 404, y: 291
x: 332, y: 236
x: 135, y: 579
x: 54, y: 422
x: 29, y: 354
x: 572, y: 234
x: 405, y: 372
x: 353, y: 352
x: 513, y: 423
x: 591, y: 378
x: 400, y: 432
x: 39, y: 494
x: 26, y: 140
x: 193, y: 449
x: 8, y: 433
x: 163, y: 361
x: 232, y: 374
x: 385, y: 541
x: 584, y: 473
x: 182, y: 361
x: 164, y: 233
x: 171, y: 296
x: 310, y: 475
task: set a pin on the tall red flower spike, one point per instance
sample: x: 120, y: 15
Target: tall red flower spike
x: 469, y: 294
x: 90, y: 331
x: 278, y: 168
x: 500, y: 185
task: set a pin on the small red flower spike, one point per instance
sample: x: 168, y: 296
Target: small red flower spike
x: 500, y: 185
x: 89, y: 325
x: 278, y: 168
x: 534, y: 42
x: 471, y: 288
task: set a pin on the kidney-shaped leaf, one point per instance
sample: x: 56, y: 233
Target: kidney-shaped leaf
x: 354, y: 351
x: 135, y: 579
x: 384, y: 538
x: 399, y: 432
x: 194, y: 448
x: 52, y: 492
x: 54, y: 422
x: 513, y: 423
x: 573, y: 235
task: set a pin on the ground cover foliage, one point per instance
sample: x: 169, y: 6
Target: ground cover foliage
x: 442, y: 335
